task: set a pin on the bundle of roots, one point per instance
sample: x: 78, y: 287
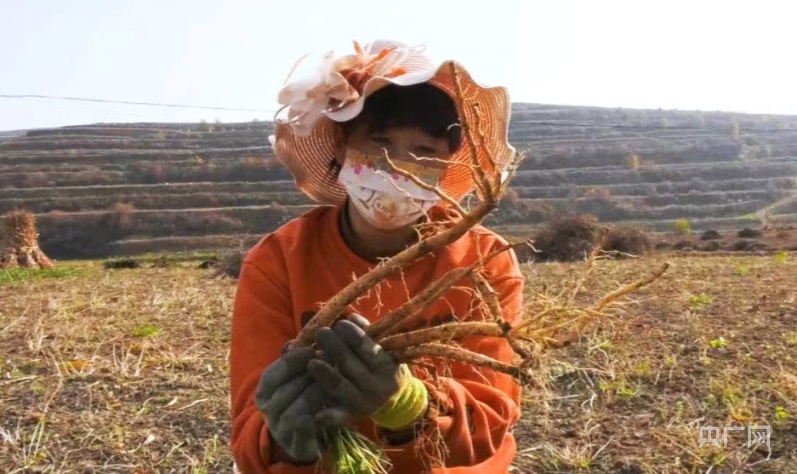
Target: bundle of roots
x: 529, y: 337
x: 20, y: 243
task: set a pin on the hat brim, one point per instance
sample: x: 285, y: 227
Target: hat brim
x: 486, y: 110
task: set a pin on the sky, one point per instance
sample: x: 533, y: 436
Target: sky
x: 674, y: 54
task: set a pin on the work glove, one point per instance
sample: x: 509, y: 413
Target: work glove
x: 290, y: 400
x: 364, y: 379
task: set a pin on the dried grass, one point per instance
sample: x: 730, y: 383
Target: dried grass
x: 20, y: 243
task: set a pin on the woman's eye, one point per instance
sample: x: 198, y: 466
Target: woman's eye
x: 380, y: 140
x: 425, y: 151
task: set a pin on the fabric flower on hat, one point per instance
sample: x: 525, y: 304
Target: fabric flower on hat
x: 336, y: 83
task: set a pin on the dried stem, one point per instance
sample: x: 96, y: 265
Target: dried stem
x: 590, y: 266
x: 460, y: 354
x: 608, y: 299
x: 435, y: 189
x: 489, y: 187
x: 587, y: 315
x: 482, y: 183
x: 522, y: 326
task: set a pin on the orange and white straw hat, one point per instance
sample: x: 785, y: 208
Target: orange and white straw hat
x: 308, y: 140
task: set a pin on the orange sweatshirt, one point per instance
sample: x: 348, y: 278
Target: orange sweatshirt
x: 291, y: 272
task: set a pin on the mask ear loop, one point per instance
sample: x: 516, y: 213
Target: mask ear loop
x: 277, y: 118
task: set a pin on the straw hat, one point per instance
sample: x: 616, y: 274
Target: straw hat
x: 309, y: 139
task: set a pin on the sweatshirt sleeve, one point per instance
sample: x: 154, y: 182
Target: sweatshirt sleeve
x: 479, y: 407
x: 261, y: 325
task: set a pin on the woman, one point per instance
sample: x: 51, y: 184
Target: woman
x: 385, y: 99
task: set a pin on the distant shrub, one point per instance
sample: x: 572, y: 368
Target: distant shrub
x: 568, y: 238
x: 683, y: 245
x: 748, y: 233
x: 600, y: 194
x: 712, y: 246
x: 683, y: 226
x: 665, y: 187
x: 209, y: 263
x: 711, y: 235
x: 122, y: 212
x: 230, y: 262
x: 571, y: 237
x: 511, y: 197
x: 116, y: 264
x: 627, y: 240
x: 258, y: 162
x: 634, y: 162
x: 278, y: 207
x: 748, y: 246
x: 163, y: 261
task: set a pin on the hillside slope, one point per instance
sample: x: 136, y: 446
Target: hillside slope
x: 131, y: 188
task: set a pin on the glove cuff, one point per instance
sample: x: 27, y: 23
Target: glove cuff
x: 406, y: 405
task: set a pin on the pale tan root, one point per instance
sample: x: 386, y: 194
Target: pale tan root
x: 404, y: 313
x: 490, y: 297
x: 412, y: 310
x: 443, y: 332
x: 460, y: 354
x: 334, y: 307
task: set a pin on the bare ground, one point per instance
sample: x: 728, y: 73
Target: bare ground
x: 126, y: 371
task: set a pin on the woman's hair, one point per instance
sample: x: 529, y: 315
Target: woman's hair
x: 422, y: 106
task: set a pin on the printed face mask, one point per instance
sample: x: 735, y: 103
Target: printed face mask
x: 387, y: 200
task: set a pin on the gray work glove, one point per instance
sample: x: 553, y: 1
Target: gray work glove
x: 290, y: 401
x: 355, y: 370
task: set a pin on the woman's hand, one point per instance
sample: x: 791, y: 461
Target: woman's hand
x: 290, y: 401
x: 355, y: 370
x: 364, y: 379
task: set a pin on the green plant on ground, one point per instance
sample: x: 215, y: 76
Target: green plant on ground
x: 742, y: 270
x: 791, y: 338
x: 699, y: 301
x: 643, y: 369
x: 781, y: 257
x: 16, y: 275
x: 678, y: 410
x: 146, y: 331
x: 781, y: 414
x: 719, y: 343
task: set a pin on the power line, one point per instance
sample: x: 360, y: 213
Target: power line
x: 152, y: 104
x: 642, y: 127
x: 101, y: 111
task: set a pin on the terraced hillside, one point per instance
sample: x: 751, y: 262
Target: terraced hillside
x: 130, y: 188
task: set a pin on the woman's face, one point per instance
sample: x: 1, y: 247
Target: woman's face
x: 402, y: 144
